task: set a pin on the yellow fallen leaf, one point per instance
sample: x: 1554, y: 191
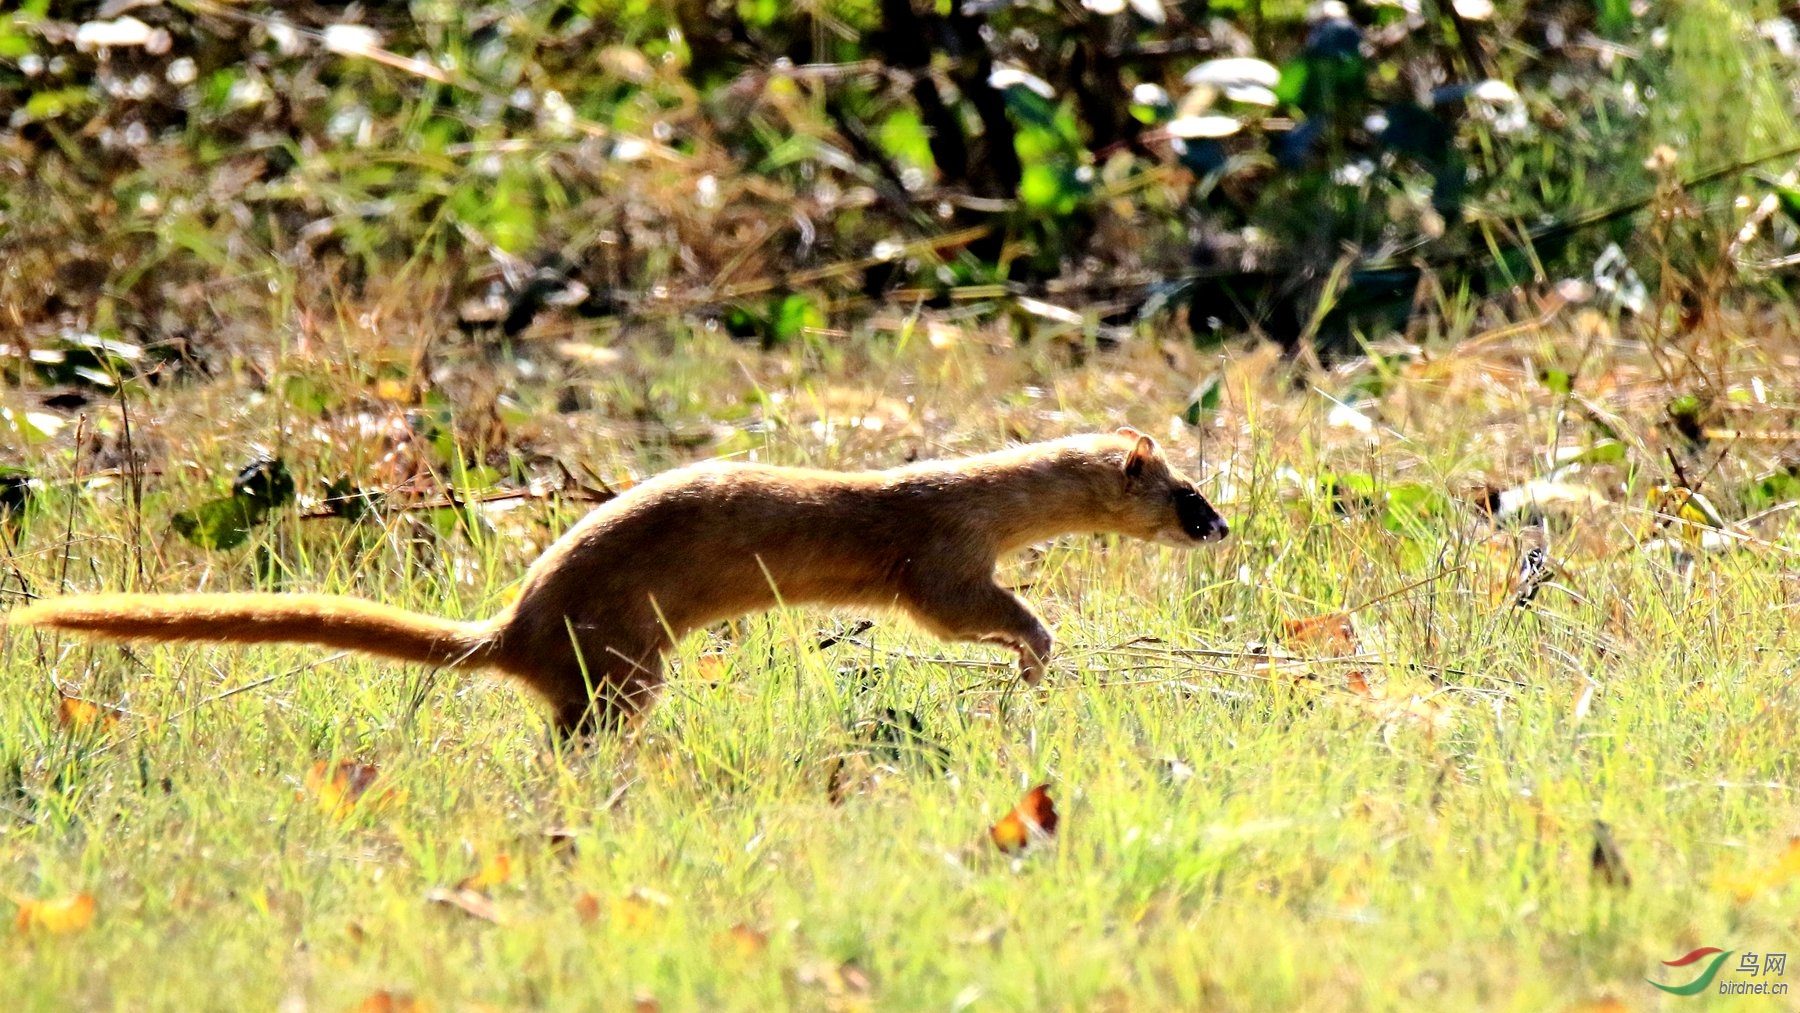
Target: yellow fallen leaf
x: 492, y: 873
x: 340, y: 789
x: 1745, y: 886
x: 385, y: 1001
x: 641, y: 909
x: 59, y: 916
x: 391, y: 389
x: 75, y: 714
x: 710, y: 668
x: 741, y: 940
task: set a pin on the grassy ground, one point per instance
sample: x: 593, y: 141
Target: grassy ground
x: 1410, y: 826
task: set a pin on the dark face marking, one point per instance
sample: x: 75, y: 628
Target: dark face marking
x: 1197, y: 517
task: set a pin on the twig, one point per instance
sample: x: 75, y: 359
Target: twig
x: 1378, y: 599
x: 258, y: 684
x: 452, y: 501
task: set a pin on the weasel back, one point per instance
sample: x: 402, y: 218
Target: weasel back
x: 325, y: 620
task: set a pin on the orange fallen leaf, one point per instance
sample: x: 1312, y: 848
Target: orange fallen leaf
x: 1033, y: 818
x: 1359, y: 683
x: 58, y: 917
x: 492, y: 873
x: 75, y: 714
x: 741, y: 940
x: 473, y: 903
x: 641, y: 909
x: 1745, y: 886
x: 385, y: 1001
x: 339, y: 789
x: 390, y: 389
x: 1332, y: 634
x: 587, y: 908
x: 710, y: 668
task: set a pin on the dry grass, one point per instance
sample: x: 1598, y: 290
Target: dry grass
x: 1411, y: 825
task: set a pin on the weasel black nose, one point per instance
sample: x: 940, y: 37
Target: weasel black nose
x: 1197, y: 517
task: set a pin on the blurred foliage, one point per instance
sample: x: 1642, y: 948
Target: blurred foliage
x: 1321, y: 172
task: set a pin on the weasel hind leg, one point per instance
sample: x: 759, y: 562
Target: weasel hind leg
x: 621, y: 697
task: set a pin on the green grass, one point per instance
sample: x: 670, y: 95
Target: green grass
x: 1308, y: 848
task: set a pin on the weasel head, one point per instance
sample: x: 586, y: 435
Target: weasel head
x: 1162, y: 504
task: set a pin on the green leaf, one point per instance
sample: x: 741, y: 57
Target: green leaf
x: 308, y: 396
x: 1046, y: 188
x: 1206, y: 398
x: 1292, y: 83
x: 32, y: 427
x: 219, y: 524
x: 793, y: 316
x: 904, y: 137
x: 1409, y: 502
x: 48, y: 105
x: 1786, y: 196
x: 759, y: 13
x: 1601, y: 452
x: 1773, y: 489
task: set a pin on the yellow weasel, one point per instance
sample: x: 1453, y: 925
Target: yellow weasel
x: 715, y: 540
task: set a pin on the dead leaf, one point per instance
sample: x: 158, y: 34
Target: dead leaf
x: 741, y: 940
x: 385, y: 1001
x: 587, y: 908
x: 641, y: 910
x: 1331, y: 635
x: 340, y: 789
x: 59, y: 916
x: 1584, y: 702
x: 75, y: 714
x: 711, y: 668
x: 1359, y: 683
x: 473, y: 903
x: 1430, y: 712
x: 390, y: 389
x: 1033, y: 819
x: 1745, y: 886
x: 835, y: 979
x: 1540, y: 496
x: 492, y: 873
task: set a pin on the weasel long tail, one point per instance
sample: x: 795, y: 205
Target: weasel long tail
x: 322, y: 619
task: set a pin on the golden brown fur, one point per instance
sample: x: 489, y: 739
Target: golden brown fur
x: 711, y: 541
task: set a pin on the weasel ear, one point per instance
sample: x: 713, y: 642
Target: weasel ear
x: 1141, y: 453
x: 1127, y: 431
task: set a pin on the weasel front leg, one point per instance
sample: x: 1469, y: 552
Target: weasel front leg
x: 985, y: 612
